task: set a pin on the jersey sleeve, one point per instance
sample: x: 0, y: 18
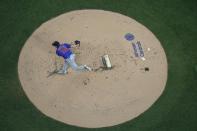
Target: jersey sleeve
x: 57, y: 52
x: 67, y: 45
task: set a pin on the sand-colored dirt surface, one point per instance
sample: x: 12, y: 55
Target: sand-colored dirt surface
x: 98, y: 98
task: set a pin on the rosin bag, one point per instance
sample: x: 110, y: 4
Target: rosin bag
x: 106, y: 62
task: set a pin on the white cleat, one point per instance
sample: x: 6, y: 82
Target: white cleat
x: 62, y: 72
x: 87, y: 68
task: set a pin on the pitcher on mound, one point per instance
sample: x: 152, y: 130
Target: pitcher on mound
x: 64, y: 50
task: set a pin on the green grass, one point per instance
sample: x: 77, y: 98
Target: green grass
x: 174, y: 22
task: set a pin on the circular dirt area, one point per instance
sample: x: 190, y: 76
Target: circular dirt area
x: 99, y: 98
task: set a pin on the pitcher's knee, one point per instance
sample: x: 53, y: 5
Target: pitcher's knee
x: 78, y: 68
x: 75, y: 68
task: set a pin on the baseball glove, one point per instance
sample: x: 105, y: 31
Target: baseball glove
x: 77, y: 42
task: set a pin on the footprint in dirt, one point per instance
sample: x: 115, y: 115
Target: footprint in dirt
x: 86, y: 81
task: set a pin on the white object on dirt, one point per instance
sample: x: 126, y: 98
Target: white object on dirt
x: 88, y: 68
x: 148, y: 49
x: 143, y: 58
x: 106, y: 61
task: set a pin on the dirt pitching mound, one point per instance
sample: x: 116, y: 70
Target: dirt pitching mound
x: 99, y: 98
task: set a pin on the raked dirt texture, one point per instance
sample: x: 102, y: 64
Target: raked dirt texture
x: 97, y: 98
x: 172, y: 22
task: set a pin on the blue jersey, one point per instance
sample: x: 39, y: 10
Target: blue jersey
x: 64, y: 50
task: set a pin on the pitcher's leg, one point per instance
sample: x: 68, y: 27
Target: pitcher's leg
x: 64, y: 68
x: 74, y: 66
x: 66, y: 65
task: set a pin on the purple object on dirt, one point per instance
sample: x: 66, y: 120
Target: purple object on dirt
x: 129, y: 37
